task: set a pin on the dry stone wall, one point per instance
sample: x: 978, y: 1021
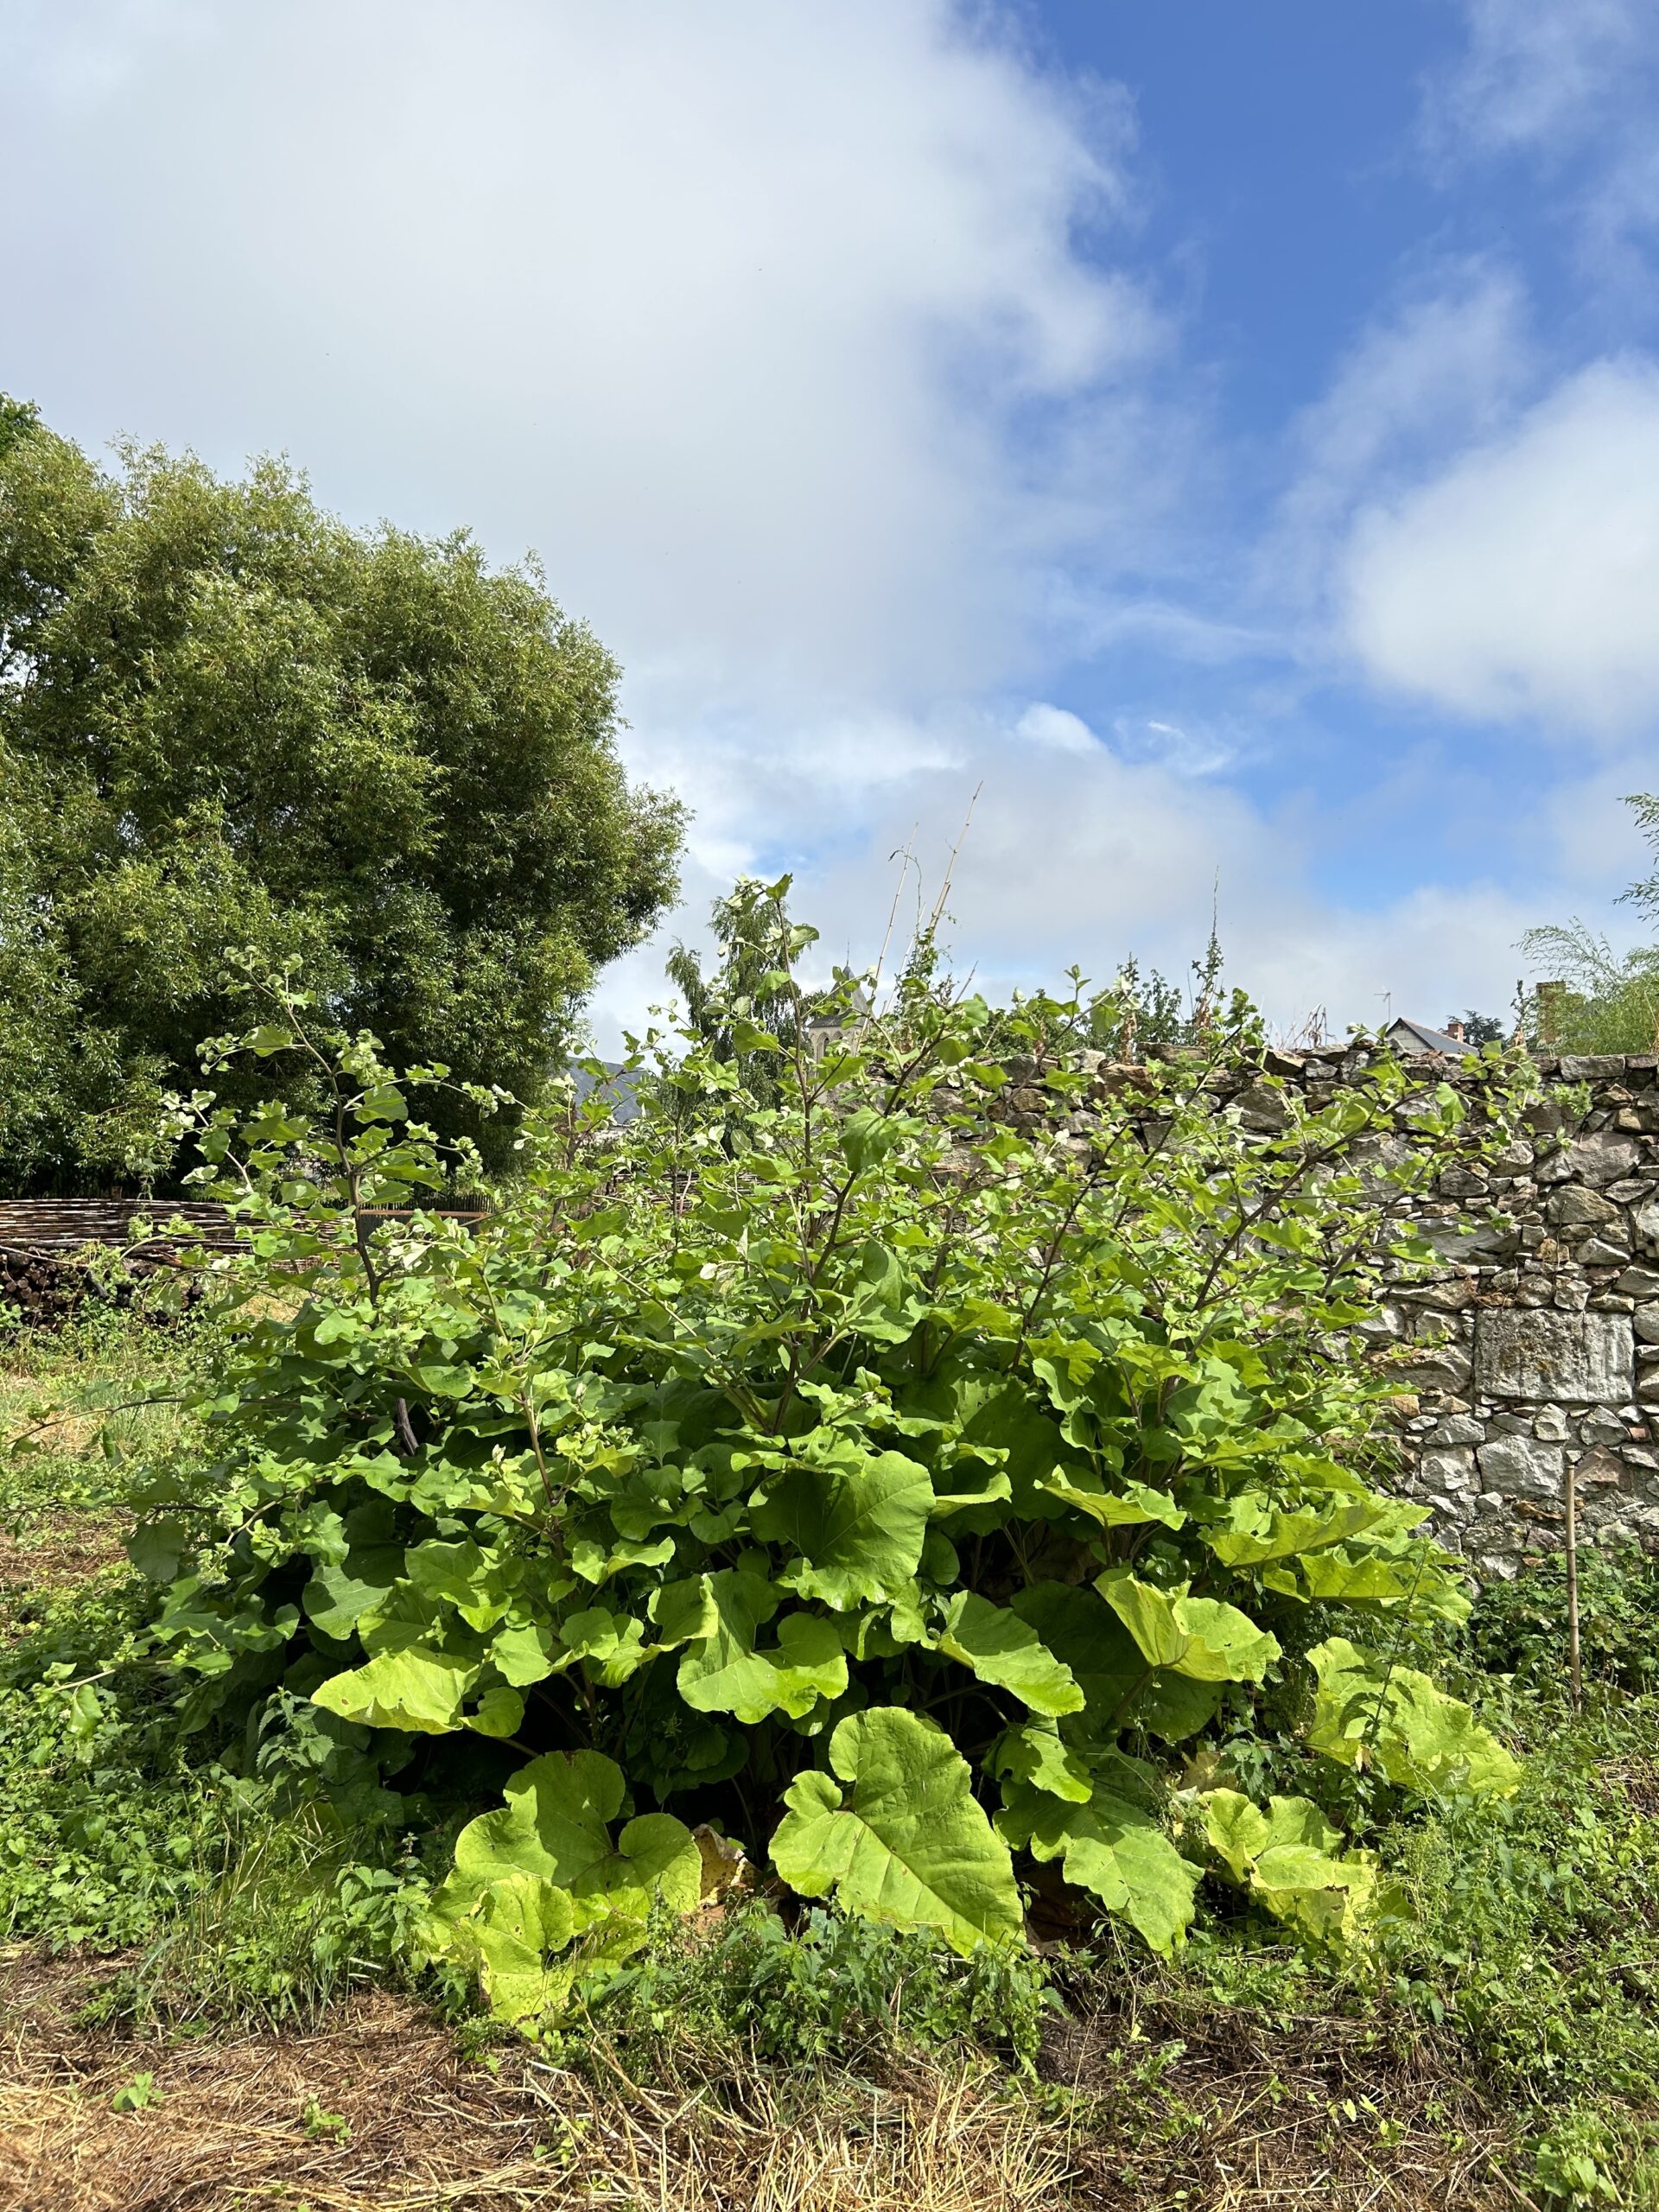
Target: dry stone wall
x: 1534, y: 1347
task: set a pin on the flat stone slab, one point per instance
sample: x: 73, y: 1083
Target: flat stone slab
x: 1561, y: 1358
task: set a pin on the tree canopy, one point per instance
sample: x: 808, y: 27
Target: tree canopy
x: 228, y: 720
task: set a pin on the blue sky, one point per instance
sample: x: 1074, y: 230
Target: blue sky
x: 1224, y: 435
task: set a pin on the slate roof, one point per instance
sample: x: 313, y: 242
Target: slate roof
x: 1418, y: 1037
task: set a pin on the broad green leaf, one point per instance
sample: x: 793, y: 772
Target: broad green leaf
x: 1017, y: 1436
x: 156, y: 1547
x: 867, y: 1138
x: 1255, y: 1531
x: 504, y: 1933
x: 902, y: 1841
x: 523, y: 1655
x: 684, y: 1613
x: 339, y: 1592
x: 479, y: 1586
x: 1134, y: 1504
x: 1037, y: 1754
x: 554, y: 1821
x: 417, y: 1688
x: 1198, y: 1636
x: 724, y: 1673
x: 1237, y: 1829
x: 542, y: 1871
x: 857, y: 1525
x: 595, y: 1561
x: 1290, y: 1858
x: 881, y: 1305
x: 1115, y: 1848
x: 1395, y: 1718
x: 1005, y: 1650
x: 612, y: 1646
x: 655, y: 1858
x: 1334, y: 1579
x: 498, y: 1712
x: 1078, y: 1627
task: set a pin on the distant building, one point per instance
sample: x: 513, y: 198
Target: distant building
x: 1418, y: 1037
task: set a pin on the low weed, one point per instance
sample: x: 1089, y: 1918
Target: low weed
x: 287, y: 1915
x: 829, y: 1988
x: 103, y: 1824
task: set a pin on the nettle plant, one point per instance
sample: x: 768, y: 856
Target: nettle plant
x: 901, y: 1477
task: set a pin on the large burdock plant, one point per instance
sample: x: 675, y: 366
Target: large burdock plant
x: 901, y: 1475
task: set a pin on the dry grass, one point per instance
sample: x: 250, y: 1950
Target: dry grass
x: 426, y: 2130
x: 68, y: 1550
x: 1325, y: 2114
x: 1322, y: 2115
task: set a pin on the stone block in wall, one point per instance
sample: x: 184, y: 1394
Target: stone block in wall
x: 1520, y: 1466
x: 1260, y: 1107
x: 1603, y: 1157
x: 1602, y: 1428
x: 1572, y: 1206
x: 1561, y: 1358
x: 1442, y: 1367
x: 1451, y: 1470
x: 1598, y: 1470
x: 1601, y: 1252
x: 1462, y: 1238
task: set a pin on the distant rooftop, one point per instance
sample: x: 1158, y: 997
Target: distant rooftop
x: 1418, y: 1037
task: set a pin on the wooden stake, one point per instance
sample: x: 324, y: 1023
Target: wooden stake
x: 1574, y: 1669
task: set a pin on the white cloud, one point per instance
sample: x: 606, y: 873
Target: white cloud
x: 1534, y: 71
x: 1056, y: 726
x: 1523, y: 581
x: 768, y: 326
x: 1571, y: 84
x: 1443, y: 365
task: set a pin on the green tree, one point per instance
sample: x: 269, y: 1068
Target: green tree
x: 1604, y: 1001
x: 1481, y: 1028
x: 227, y: 720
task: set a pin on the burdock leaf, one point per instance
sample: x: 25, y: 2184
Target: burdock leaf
x: 417, y: 1688
x: 1005, y: 1650
x: 1198, y: 1636
x: 856, y: 1524
x: 724, y: 1673
x: 903, y: 1841
x: 1116, y: 1849
x: 1393, y: 1719
x: 1133, y: 1504
x: 1037, y: 1754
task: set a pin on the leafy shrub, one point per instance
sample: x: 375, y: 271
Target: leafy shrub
x: 1520, y: 1628
x: 895, y: 1471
